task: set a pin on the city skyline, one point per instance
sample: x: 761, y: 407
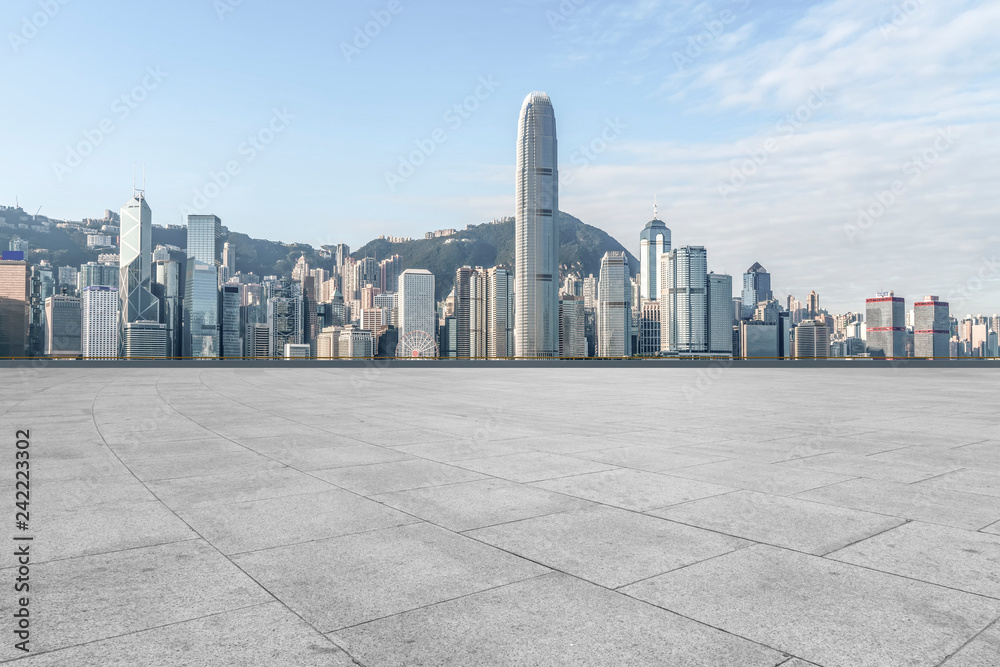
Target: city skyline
x: 682, y: 129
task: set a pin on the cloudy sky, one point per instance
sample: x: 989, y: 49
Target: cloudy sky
x: 848, y: 146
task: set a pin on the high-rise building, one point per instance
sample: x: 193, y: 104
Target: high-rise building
x: 389, y: 269
x: 684, y: 301
x: 499, y: 300
x: 572, y: 333
x: 169, y: 276
x: 813, y: 304
x: 68, y: 276
x: 756, y: 288
x: 94, y: 273
x: 231, y: 332
x: 649, y: 328
x: 614, y: 307
x: 416, y: 303
x: 201, y: 310
x: 760, y: 340
x: 536, y: 313
x: 328, y: 343
x: 654, y: 241
x: 720, y: 314
x: 340, y: 254
x: 259, y: 340
x: 62, y: 330
x: 138, y: 304
x: 885, y: 324
x: 99, y: 322
x: 204, y: 232
x: 387, y: 302
x: 14, y: 308
x: 931, y: 328
x: 145, y: 339
x: 228, y: 262
x: 356, y: 343
x: 470, y: 311
x: 310, y: 314
x: 284, y: 315
x: 812, y: 340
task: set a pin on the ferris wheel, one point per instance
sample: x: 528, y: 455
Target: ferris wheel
x: 417, y: 344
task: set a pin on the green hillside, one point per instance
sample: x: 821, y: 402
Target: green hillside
x: 581, y: 249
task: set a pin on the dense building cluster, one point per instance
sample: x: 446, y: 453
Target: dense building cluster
x: 193, y: 302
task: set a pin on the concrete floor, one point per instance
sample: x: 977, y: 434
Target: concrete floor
x: 508, y: 516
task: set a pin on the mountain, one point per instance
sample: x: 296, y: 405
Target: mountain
x: 581, y: 248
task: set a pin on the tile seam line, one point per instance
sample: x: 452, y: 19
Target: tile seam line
x: 948, y: 657
x: 139, y: 632
x: 215, y: 548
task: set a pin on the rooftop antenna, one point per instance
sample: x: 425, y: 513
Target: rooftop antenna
x: 656, y: 209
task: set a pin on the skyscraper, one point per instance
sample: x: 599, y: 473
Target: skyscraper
x: 649, y: 328
x: 614, y: 307
x: 654, y: 241
x: 499, y: 312
x: 99, y: 307
x: 684, y: 301
x: 416, y: 303
x: 135, y: 258
x: 756, y: 288
x: 812, y: 340
x: 62, y: 326
x: 720, y: 313
x: 14, y: 314
x: 536, y: 312
x: 813, y: 304
x: 885, y: 323
x: 572, y: 337
x: 931, y: 328
x: 231, y: 338
x: 203, y: 235
x: 228, y: 261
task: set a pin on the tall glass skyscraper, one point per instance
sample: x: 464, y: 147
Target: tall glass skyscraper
x: 536, y: 286
x: 654, y: 241
x: 203, y: 235
x: 201, y: 298
x: 138, y: 304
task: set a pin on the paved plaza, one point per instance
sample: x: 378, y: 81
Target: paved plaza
x: 846, y: 516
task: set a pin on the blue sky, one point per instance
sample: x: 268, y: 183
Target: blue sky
x: 849, y: 146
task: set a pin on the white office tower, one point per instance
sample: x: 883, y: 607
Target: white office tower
x: 614, y: 307
x: 99, y: 307
x: 684, y: 301
x: 499, y: 312
x: 654, y: 242
x: 145, y: 340
x: 536, y: 311
x: 228, y: 263
x: 417, y: 314
x: 138, y: 304
x: 720, y: 314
